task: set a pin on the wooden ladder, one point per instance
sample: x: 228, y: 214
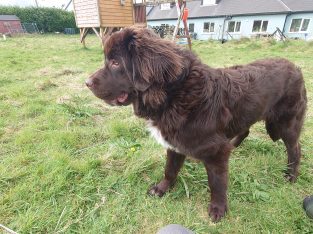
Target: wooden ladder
x: 181, y: 5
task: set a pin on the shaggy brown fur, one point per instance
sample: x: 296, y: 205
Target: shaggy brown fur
x: 201, y: 111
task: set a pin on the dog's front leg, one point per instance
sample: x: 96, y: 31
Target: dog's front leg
x: 217, y: 170
x: 174, y: 162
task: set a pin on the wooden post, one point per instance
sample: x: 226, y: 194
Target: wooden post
x: 102, y: 35
x: 180, y: 9
x: 97, y: 33
x: 107, y: 32
x: 187, y: 33
x: 83, y: 34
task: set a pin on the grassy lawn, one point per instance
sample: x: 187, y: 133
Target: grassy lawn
x: 71, y: 164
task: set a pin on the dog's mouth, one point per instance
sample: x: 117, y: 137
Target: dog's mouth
x: 122, y: 98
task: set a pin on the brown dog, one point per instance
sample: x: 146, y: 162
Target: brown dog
x: 196, y: 110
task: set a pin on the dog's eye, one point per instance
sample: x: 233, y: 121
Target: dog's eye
x: 115, y: 63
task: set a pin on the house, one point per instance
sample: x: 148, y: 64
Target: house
x: 10, y: 24
x: 233, y: 19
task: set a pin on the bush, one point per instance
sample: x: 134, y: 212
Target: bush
x: 47, y: 19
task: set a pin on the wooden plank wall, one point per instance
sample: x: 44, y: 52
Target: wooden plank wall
x: 140, y: 14
x: 113, y: 14
x: 86, y: 13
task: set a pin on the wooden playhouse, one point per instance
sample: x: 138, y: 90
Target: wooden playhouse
x: 104, y: 16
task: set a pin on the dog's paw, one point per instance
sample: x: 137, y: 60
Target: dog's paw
x: 156, y: 191
x: 291, y: 178
x: 217, y: 212
x: 291, y: 175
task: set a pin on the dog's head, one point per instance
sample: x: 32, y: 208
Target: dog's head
x: 137, y: 62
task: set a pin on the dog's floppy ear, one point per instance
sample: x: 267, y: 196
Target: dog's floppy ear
x: 154, y: 60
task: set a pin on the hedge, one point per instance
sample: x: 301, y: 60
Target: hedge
x: 47, y: 19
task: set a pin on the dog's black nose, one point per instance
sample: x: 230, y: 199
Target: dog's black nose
x: 89, y: 83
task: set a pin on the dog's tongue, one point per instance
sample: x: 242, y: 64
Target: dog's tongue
x: 122, y: 98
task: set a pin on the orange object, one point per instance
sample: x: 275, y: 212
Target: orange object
x: 185, y: 14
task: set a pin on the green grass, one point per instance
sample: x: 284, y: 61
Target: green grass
x: 71, y: 164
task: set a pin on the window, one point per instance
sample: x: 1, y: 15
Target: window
x: 165, y: 6
x: 299, y: 25
x: 295, y: 25
x: 260, y: 26
x: 208, y: 2
x: 208, y: 27
x: 264, y: 26
x: 305, y: 25
x: 234, y: 26
x: 191, y: 28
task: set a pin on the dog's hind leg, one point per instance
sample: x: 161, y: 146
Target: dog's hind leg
x: 236, y: 141
x: 174, y: 162
x: 291, y: 139
x: 290, y: 133
x: 288, y: 127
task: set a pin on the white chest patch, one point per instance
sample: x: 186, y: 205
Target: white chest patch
x: 156, y: 133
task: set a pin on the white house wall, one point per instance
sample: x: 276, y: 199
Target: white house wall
x: 198, y: 28
x: 274, y: 21
x: 308, y: 35
x: 245, y: 29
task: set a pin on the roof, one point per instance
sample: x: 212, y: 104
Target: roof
x: 299, y: 5
x: 9, y: 17
x: 244, y: 7
x: 234, y: 7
